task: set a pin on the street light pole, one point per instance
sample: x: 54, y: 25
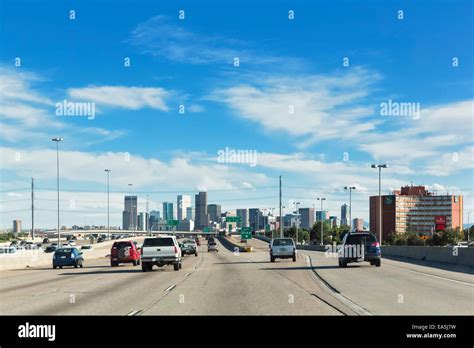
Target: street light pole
x: 108, y: 203
x: 281, y: 216
x: 298, y: 221
x: 147, y: 219
x: 350, y: 188
x: 57, y: 140
x: 380, y: 166
x: 321, y: 199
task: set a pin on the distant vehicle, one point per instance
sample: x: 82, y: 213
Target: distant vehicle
x: 86, y: 247
x: 30, y: 246
x: 72, y: 243
x: 7, y: 250
x: 189, y: 247
x: 358, y: 247
x: 198, y: 242
x: 54, y: 244
x: 67, y: 257
x: 210, y: 239
x: 100, y: 240
x: 50, y: 249
x: 282, y: 248
x: 212, y: 246
x: 124, y: 252
x: 160, y: 251
x: 46, y: 240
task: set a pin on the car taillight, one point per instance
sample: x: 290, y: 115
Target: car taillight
x: 175, y: 249
x: 375, y: 244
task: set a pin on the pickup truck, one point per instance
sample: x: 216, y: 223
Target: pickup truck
x: 282, y: 248
x: 160, y: 251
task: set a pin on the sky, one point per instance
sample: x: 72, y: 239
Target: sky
x: 302, y: 86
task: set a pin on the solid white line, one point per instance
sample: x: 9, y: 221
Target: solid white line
x: 45, y: 293
x: 170, y: 288
x: 432, y: 275
x: 132, y: 313
x: 186, y: 275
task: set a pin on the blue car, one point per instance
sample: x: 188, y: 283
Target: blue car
x: 67, y: 257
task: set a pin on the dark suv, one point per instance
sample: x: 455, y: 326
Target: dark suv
x: 358, y: 247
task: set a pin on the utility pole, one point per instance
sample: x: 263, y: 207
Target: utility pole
x: 32, y: 210
x: 281, y: 217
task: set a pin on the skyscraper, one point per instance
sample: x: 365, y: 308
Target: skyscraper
x: 255, y: 219
x: 344, y: 215
x: 167, y: 211
x: 184, y: 202
x: 214, y: 211
x: 358, y: 224
x: 307, y: 217
x: 244, y: 216
x: 202, y: 218
x: 129, y: 215
x: 190, y: 213
x: 322, y: 215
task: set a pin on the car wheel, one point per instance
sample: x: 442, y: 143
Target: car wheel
x: 145, y: 267
x: 134, y: 262
x: 272, y: 259
x: 196, y: 254
x: 377, y: 263
x: 294, y: 258
x: 176, y: 266
x: 344, y: 264
x: 138, y: 262
x: 61, y: 267
x: 81, y: 265
x: 180, y: 265
x: 54, y: 267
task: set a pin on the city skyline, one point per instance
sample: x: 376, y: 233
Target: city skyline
x: 319, y: 115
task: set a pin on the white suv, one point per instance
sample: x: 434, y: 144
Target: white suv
x: 282, y: 248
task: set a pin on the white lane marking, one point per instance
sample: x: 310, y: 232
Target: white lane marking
x: 186, y: 275
x: 432, y: 275
x: 132, y: 313
x: 45, y: 293
x: 170, y: 288
x: 307, y: 259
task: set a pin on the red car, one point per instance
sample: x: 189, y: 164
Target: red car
x: 125, y: 252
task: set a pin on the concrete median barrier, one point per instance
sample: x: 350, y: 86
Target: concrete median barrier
x: 38, y: 258
x: 452, y: 255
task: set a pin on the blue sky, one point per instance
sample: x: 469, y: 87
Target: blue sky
x: 334, y: 134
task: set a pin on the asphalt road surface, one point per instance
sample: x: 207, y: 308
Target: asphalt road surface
x: 228, y: 283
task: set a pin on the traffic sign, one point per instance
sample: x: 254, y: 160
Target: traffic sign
x: 206, y: 229
x: 172, y: 222
x: 233, y: 219
x: 246, y: 233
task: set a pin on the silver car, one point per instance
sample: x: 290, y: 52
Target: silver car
x: 282, y: 248
x: 212, y: 246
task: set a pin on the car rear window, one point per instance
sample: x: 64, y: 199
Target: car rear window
x: 63, y: 252
x: 121, y: 245
x: 151, y: 242
x: 283, y: 242
x: 359, y: 239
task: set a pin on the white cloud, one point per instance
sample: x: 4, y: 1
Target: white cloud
x: 316, y: 107
x: 122, y: 96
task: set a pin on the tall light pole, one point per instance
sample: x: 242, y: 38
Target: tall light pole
x: 321, y: 199
x: 350, y: 188
x: 380, y: 166
x: 33, y: 209
x: 108, y: 203
x: 281, y: 216
x: 297, y: 225
x: 468, y: 227
x: 147, y: 219
x: 57, y: 140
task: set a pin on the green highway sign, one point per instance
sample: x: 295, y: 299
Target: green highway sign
x: 267, y: 228
x: 172, y: 222
x: 246, y: 233
x: 206, y: 229
x: 233, y: 219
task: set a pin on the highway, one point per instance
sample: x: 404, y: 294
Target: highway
x: 227, y: 283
